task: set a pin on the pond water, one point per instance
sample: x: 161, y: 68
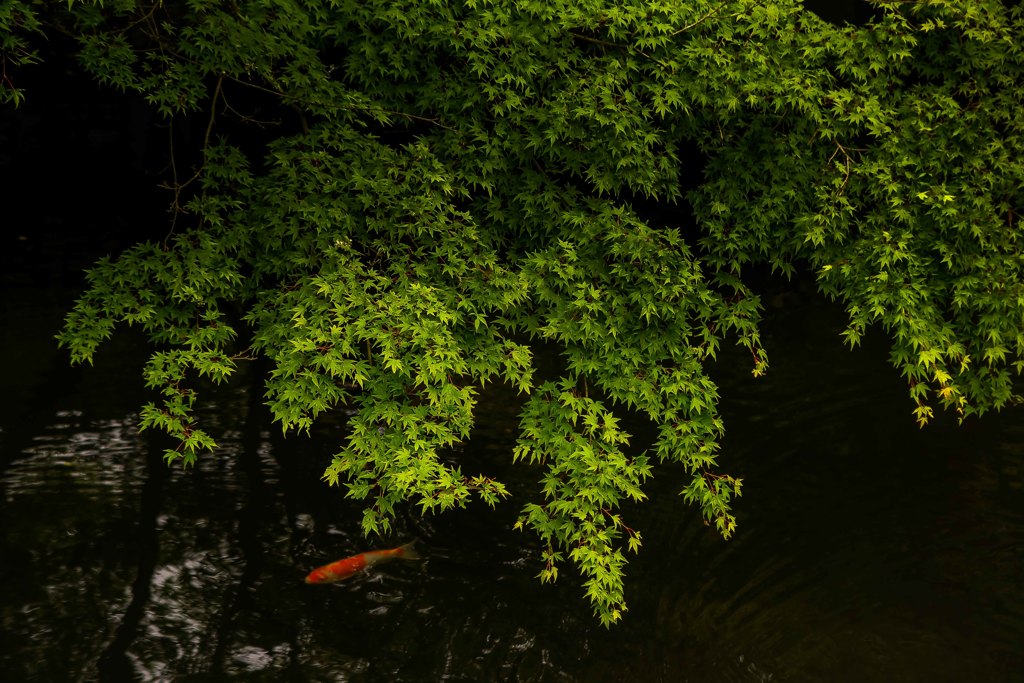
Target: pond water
x: 868, y: 550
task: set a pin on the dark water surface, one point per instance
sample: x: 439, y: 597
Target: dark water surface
x: 868, y: 550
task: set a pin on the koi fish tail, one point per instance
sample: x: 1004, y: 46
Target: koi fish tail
x: 408, y: 552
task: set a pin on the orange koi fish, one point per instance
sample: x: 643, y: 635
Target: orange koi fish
x: 343, y: 569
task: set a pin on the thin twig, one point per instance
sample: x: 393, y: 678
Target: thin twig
x: 213, y: 115
x: 245, y: 117
x: 174, y: 179
x: 701, y: 20
x: 619, y: 46
x: 846, y: 156
x: 176, y: 186
x: 408, y: 116
x: 598, y: 41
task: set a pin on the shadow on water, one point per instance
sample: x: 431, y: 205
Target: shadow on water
x: 114, y: 663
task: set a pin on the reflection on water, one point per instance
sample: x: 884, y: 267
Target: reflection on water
x: 69, y: 504
x: 868, y: 549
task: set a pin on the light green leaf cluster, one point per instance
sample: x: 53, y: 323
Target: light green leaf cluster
x: 898, y: 184
x: 637, y: 318
x: 177, y: 293
x: 434, y: 188
x: 579, y: 441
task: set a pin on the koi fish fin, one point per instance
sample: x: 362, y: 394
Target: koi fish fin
x: 408, y: 552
